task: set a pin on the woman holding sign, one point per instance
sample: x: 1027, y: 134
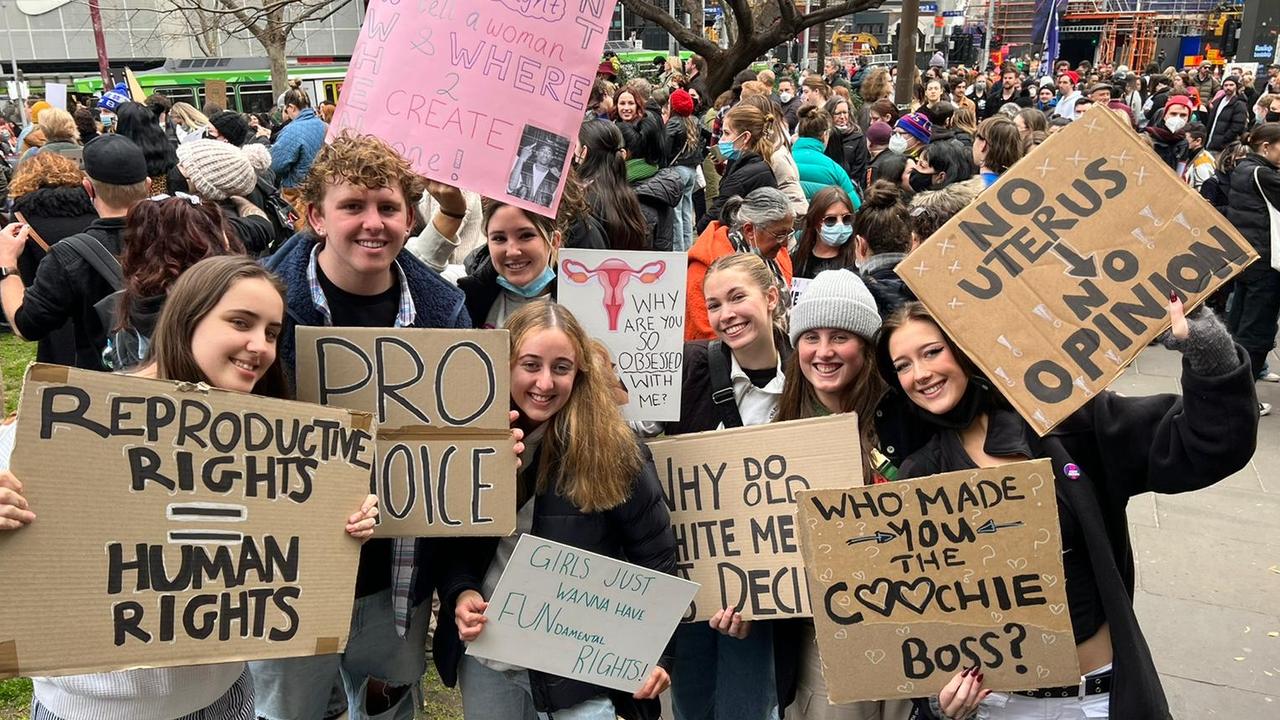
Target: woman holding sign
x: 1109, y: 451
x: 584, y: 481
x: 218, y: 327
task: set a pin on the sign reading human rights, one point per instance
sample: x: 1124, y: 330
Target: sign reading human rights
x: 732, y: 496
x: 633, y: 302
x: 580, y: 615
x: 177, y: 525
x: 441, y: 398
x: 1059, y: 274
x: 481, y: 94
x: 912, y: 581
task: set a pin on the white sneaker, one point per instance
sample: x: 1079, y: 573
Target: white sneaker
x: 1270, y: 377
x: 1264, y: 409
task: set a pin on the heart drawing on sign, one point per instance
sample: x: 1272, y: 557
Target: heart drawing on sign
x: 844, y: 601
x: 913, y: 596
x: 1042, y: 671
x: 1049, y: 580
x: 1017, y: 563
x: 1057, y: 608
x: 996, y: 617
x: 906, y: 687
x: 875, y: 656
x: 877, y: 596
x: 842, y: 634
x: 826, y: 551
x: 1048, y: 639
x: 859, y: 575
x: 903, y: 631
x: 826, y: 575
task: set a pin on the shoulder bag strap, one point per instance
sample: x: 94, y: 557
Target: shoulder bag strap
x: 88, y: 247
x: 722, y: 398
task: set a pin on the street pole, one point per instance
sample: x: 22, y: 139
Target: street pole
x: 671, y: 39
x: 13, y: 62
x: 808, y: 8
x: 907, y: 52
x: 986, y: 44
x: 95, y: 14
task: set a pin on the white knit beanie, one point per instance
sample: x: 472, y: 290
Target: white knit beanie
x: 835, y: 299
x: 216, y: 170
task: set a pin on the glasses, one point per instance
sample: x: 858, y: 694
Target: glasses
x: 833, y: 220
x: 780, y: 236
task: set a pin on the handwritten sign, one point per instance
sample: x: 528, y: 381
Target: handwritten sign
x: 579, y: 615
x: 1059, y: 274
x: 483, y: 95
x: 445, y: 466
x: 177, y: 525
x: 798, y: 286
x: 732, y: 497
x: 633, y: 302
x: 912, y: 581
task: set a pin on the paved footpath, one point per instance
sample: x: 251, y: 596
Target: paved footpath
x: 1208, y: 571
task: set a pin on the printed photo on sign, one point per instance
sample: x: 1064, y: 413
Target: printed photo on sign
x: 1059, y: 274
x: 178, y: 525
x: 732, y: 497
x: 634, y: 303
x: 915, y: 580
x: 580, y: 615
x: 535, y: 174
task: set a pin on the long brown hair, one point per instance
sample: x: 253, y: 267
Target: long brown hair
x: 914, y: 311
x: 190, y: 299
x: 818, y: 206
x: 589, y: 447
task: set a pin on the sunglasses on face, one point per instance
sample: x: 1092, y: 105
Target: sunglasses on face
x: 833, y: 220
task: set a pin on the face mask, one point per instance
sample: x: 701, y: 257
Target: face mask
x: 836, y: 235
x: 920, y: 181
x: 727, y: 150
x: 785, y: 97
x: 1273, y: 116
x: 1175, y: 123
x: 898, y: 144
x: 534, y: 288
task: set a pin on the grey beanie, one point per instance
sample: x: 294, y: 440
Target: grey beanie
x: 835, y: 299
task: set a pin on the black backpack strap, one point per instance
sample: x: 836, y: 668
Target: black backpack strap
x: 88, y: 247
x: 722, y: 398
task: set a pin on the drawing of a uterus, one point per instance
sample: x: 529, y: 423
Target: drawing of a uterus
x: 614, y: 275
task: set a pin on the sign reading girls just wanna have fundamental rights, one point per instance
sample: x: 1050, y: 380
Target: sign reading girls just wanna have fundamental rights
x: 482, y: 94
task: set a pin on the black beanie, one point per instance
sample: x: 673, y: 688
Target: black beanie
x: 232, y: 126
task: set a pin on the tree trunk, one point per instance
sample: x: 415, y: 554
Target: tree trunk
x: 279, y: 65
x: 730, y: 62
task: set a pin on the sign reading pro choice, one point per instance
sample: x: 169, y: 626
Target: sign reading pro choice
x: 1059, y: 274
x: 482, y: 94
x: 177, y: 525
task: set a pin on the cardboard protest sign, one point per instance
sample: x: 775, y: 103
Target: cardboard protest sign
x: 634, y: 303
x: 914, y: 580
x: 1058, y: 275
x: 579, y: 615
x: 482, y: 95
x: 177, y: 525
x: 732, y: 497
x: 444, y: 465
x: 215, y: 92
x: 137, y: 94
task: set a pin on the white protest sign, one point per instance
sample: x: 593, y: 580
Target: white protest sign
x: 579, y: 615
x: 634, y: 303
x: 56, y: 94
x: 798, y: 286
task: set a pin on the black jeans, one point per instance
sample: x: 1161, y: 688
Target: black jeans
x: 1254, y: 312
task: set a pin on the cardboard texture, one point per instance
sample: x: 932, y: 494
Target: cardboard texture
x: 634, y: 303
x: 914, y: 580
x: 234, y: 504
x: 1059, y: 274
x: 215, y: 91
x: 579, y: 615
x: 732, y: 495
x: 136, y: 93
x: 445, y: 466
x: 479, y: 94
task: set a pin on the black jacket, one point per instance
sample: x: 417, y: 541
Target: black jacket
x: 744, y: 174
x: 1229, y: 118
x: 1171, y: 147
x: 850, y: 152
x: 889, y: 290
x: 65, y: 289
x: 996, y: 100
x: 659, y: 195
x: 677, y: 142
x: 638, y: 531
x: 1125, y: 446
x: 1246, y: 209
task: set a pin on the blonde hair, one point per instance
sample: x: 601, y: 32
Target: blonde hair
x: 188, y: 116
x: 754, y: 267
x: 876, y: 86
x: 747, y: 116
x: 58, y: 125
x: 589, y: 447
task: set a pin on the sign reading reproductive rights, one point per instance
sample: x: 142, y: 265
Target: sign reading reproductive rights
x: 177, y: 525
x: 633, y: 302
x: 441, y: 398
x: 1059, y: 274
x: 732, y: 496
x: 481, y: 94
x: 912, y: 581
x: 579, y: 615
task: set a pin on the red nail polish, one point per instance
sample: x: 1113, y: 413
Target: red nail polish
x: 979, y: 677
x: 1173, y: 296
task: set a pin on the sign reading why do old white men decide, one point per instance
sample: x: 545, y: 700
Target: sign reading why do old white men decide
x: 580, y: 615
x: 481, y: 94
x: 1058, y: 275
x: 634, y: 303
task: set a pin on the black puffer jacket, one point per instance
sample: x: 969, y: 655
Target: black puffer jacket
x: 1246, y: 209
x: 849, y: 150
x: 1230, y: 118
x: 886, y: 287
x: 659, y: 195
x: 744, y: 174
x: 637, y: 531
x: 677, y: 143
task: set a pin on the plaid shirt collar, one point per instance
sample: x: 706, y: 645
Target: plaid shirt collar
x: 404, y: 318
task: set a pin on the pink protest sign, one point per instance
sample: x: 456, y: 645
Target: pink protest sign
x: 482, y: 94
x: 633, y: 302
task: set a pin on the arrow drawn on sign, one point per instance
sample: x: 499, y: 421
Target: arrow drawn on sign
x: 881, y: 537
x: 1077, y: 265
x: 991, y: 526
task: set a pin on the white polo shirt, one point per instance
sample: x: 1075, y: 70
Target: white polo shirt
x: 756, y: 405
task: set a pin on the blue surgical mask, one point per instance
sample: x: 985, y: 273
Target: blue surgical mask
x: 836, y: 235
x: 534, y: 288
x: 727, y: 150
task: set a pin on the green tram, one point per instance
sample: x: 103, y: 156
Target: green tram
x: 248, y: 90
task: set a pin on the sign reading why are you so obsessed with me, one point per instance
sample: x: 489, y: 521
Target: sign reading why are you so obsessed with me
x: 1059, y: 274
x: 579, y: 615
x: 914, y: 580
x: 444, y: 465
x: 482, y: 94
x: 732, y: 496
x: 177, y: 525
